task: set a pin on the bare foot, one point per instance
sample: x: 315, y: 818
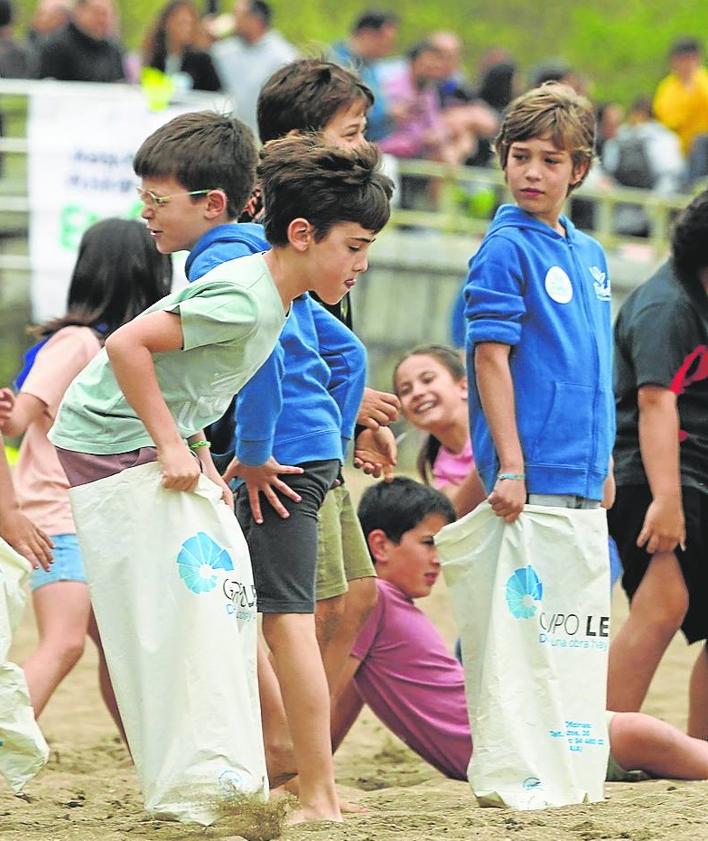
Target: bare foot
x: 280, y: 764
x: 279, y: 781
x: 310, y: 815
x: 349, y: 807
x: 281, y: 791
x: 290, y: 789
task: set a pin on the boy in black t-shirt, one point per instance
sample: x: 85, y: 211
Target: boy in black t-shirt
x: 660, y: 517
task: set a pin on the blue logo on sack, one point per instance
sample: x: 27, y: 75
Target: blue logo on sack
x: 523, y: 590
x: 197, y: 559
x: 531, y: 783
x: 231, y: 781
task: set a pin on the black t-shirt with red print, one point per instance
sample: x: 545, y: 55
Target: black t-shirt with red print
x: 661, y: 339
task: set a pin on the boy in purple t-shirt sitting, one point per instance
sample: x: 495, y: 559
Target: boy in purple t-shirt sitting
x: 399, y: 664
x: 401, y: 668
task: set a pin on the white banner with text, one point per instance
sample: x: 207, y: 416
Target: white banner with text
x: 82, y: 139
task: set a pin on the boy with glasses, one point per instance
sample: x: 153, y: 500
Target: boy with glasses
x: 173, y: 370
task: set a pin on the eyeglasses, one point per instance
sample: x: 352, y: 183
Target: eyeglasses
x: 150, y: 199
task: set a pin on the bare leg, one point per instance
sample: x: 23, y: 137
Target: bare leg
x: 62, y: 613
x: 298, y: 665
x: 104, y: 679
x: 348, y: 703
x: 280, y: 759
x: 328, y: 616
x: 698, y: 697
x: 656, y: 613
x: 645, y: 743
x: 358, y: 604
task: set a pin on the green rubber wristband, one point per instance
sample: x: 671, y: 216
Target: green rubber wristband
x: 519, y: 477
x: 197, y: 444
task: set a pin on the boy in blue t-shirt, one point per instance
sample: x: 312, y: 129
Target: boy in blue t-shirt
x: 539, y: 340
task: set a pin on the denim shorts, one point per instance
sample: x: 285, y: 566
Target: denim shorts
x: 67, y: 564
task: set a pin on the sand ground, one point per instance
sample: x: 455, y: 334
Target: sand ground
x: 88, y: 791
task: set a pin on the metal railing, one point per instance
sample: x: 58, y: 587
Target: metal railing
x: 449, y: 216
x: 421, y: 259
x: 445, y: 209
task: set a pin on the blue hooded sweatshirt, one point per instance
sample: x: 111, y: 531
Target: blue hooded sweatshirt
x: 301, y: 404
x: 223, y: 243
x: 548, y: 296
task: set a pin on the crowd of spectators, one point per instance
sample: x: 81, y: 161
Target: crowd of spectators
x: 426, y: 106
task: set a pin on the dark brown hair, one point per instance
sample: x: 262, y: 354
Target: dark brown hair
x: 301, y: 177
x: 551, y: 110
x: 397, y: 507
x: 689, y: 247
x: 155, y: 41
x: 374, y: 19
x: 118, y: 273
x: 305, y: 95
x: 203, y: 150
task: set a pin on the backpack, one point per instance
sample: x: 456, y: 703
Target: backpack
x: 633, y: 166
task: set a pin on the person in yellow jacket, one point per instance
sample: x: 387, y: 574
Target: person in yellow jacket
x: 681, y: 99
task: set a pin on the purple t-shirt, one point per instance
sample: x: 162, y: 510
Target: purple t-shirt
x: 411, y: 682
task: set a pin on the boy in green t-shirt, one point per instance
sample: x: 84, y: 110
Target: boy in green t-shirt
x: 164, y: 376
x: 173, y: 370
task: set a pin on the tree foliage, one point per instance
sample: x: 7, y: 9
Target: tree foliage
x: 620, y: 48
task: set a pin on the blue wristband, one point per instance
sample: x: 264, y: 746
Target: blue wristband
x: 519, y: 477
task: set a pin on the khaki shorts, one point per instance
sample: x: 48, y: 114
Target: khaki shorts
x: 342, y: 554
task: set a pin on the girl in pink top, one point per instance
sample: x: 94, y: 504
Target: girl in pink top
x: 118, y: 274
x: 431, y: 384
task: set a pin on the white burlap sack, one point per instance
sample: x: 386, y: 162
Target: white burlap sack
x: 23, y: 751
x: 172, y: 590
x: 531, y: 601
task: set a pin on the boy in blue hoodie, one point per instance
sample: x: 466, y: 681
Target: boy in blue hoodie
x: 312, y: 94
x: 539, y: 339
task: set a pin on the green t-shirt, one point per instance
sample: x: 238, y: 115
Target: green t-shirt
x: 231, y: 319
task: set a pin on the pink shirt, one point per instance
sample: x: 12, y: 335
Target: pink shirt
x: 452, y: 468
x: 411, y: 682
x: 410, y: 137
x: 39, y: 480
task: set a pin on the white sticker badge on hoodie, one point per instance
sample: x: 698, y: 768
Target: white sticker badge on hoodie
x: 558, y: 285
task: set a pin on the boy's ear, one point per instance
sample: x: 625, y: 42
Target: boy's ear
x: 216, y: 204
x: 579, y: 172
x: 300, y: 234
x: 378, y: 544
